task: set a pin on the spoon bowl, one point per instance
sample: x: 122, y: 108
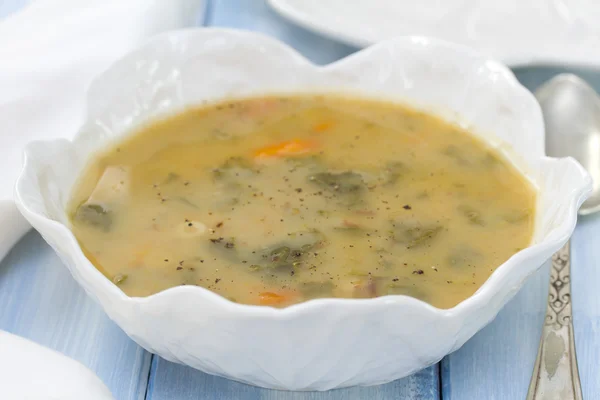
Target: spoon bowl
x: 571, y: 109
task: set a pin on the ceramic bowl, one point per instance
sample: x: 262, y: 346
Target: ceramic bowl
x: 325, y: 343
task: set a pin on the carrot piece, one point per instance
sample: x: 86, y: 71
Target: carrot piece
x: 286, y: 149
x: 322, y: 127
x: 271, y: 299
x: 350, y: 224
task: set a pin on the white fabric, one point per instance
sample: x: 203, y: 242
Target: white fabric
x: 29, y: 371
x: 49, y: 53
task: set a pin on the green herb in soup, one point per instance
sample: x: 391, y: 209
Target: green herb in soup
x: 279, y: 200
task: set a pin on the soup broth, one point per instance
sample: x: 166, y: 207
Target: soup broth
x: 279, y: 200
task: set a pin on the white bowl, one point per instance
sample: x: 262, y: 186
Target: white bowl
x: 326, y: 343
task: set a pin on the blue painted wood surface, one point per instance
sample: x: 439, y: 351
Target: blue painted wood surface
x: 497, y: 363
x: 172, y: 381
x: 39, y: 300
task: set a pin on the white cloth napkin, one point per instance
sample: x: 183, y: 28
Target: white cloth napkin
x: 29, y: 371
x: 49, y: 53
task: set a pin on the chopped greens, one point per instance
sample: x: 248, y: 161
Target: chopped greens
x: 292, y: 252
x: 348, y: 187
x: 343, y: 182
x: 414, y: 235
x: 94, y: 215
x: 457, y: 155
x: 234, y: 168
x: 392, y: 172
x: 463, y: 256
x: 471, y: 214
x: 517, y: 216
x: 491, y: 160
x: 278, y: 257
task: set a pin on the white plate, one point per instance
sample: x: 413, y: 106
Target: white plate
x: 517, y: 32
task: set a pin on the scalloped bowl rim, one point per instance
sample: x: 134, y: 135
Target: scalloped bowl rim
x: 486, y: 290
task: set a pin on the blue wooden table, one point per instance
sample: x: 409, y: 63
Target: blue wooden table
x: 40, y: 301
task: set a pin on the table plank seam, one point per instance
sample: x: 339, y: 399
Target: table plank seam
x: 150, y: 383
x: 208, y: 13
x: 439, y: 374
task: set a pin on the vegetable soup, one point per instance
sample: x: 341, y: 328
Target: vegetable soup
x: 278, y: 200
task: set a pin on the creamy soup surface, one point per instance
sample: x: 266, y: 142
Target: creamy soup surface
x: 279, y: 200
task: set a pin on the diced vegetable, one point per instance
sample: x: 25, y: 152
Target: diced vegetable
x: 349, y: 185
x: 457, y: 155
x: 491, y: 160
x: 278, y: 257
x: 112, y: 187
x: 349, y: 227
x: 272, y: 299
x: 120, y: 279
x: 517, y: 216
x: 231, y: 177
x: 286, y: 149
x: 414, y: 235
x: 94, y: 215
x: 292, y: 252
x: 392, y: 172
x: 464, y: 256
x: 473, y: 215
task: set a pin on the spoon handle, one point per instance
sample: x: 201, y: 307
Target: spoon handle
x: 555, y: 375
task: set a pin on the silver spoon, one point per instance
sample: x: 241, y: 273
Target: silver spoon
x: 571, y: 111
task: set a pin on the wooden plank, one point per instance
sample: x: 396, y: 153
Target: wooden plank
x: 586, y: 302
x: 497, y: 363
x: 173, y: 381
x: 39, y: 300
